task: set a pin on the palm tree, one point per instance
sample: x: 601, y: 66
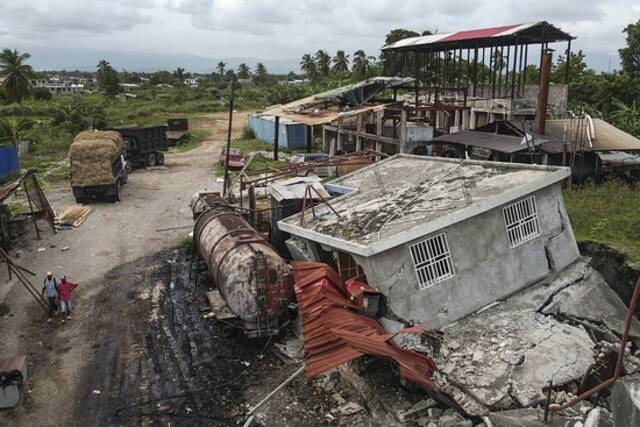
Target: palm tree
x: 244, y: 72
x: 361, y: 63
x: 103, y: 68
x: 179, y: 74
x: 221, y: 68
x: 261, y: 73
x: 12, y: 128
x: 308, y: 66
x: 340, y: 62
x: 323, y: 63
x: 16, y: 73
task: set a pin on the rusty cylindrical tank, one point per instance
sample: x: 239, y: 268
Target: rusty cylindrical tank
x: 251, y: 276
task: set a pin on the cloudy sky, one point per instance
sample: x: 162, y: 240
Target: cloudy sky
x: 275, y: 29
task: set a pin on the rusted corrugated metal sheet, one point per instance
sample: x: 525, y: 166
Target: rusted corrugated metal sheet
x: 335, y: 333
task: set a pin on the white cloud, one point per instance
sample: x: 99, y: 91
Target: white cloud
x: 274, y: 29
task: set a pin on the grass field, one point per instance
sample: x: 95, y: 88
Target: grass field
x: 608, y: 213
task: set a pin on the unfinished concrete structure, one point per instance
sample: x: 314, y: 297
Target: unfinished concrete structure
x: 439, y: 237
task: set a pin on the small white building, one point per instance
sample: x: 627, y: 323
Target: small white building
x: 192, y: 83
x: 129, y: 87
x: 441, y: 238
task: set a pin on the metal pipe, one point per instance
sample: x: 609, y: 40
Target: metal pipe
x: 225, y: 185
x: 566, y: 70
x: 543, y: 93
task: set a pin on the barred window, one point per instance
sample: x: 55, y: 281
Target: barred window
x: 521, y: 221
x: 432, y: 261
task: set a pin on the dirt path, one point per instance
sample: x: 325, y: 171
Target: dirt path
x: 110, y: 256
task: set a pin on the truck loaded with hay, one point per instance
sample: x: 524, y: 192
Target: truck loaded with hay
x: 98, y: 166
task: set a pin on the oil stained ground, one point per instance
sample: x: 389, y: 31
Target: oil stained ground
x: 158, y: 360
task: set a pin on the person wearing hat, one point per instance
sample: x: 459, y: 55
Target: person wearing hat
x: 65, y: 288
x: 50, y: 291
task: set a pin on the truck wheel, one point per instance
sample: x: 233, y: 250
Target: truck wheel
x: 151, y: 159
x: 160, y: 158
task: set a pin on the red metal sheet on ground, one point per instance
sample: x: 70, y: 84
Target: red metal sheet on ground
x: 335, y: 333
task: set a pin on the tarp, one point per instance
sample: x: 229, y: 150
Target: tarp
x: 9, y: 161
x: 290, y: 134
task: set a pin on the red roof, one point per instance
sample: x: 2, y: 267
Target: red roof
x: 477, y: 34
x: 335, y: 333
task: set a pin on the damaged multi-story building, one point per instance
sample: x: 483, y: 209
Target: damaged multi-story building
x: 441, y: 238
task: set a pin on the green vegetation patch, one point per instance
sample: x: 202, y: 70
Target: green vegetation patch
x: 607, y: 213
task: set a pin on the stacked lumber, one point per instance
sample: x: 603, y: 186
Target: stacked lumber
x: 73, y: 216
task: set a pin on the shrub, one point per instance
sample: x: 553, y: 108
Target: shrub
x: 41, y: 94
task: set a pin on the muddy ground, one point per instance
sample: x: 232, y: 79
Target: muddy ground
x: 139, y: 349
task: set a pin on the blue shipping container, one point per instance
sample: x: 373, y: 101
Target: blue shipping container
x: 291, y: 134
x: 9, y: 161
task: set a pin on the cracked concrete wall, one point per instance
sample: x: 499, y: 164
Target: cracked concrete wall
x: 486, y: 268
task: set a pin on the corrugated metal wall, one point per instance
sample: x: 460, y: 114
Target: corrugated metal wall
x: 9, y: 162
x: 292, y: 135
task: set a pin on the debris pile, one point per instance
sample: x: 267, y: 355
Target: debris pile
x: 505, y: 356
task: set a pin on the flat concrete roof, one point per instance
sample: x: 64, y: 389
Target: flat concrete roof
x: 405, y: 197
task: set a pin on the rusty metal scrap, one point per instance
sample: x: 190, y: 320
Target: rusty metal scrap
x: 334, y: 333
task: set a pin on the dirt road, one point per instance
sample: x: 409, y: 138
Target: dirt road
x: 136, y: 311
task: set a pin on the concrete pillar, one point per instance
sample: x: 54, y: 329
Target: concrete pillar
x: 456, y: 120
x: 379, y: 122
x: 465, y: 119
x: 332, y: 146
x: 472, y: 119
x: 492, y: 117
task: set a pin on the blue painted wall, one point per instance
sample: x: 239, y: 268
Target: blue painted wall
x: 291, y: 135
x: 9, y: 161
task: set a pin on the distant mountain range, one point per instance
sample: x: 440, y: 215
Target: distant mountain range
x: 86, y: 60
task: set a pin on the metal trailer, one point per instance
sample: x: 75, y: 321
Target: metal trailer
x: 109, y: 192
x: 176, y: 130
x: 144, y: 146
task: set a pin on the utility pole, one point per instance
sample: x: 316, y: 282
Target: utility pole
x: 225, y: 185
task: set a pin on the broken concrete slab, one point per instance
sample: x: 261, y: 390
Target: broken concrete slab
x: 599, y: 417
x: 591, y: 298
x: 625, y: 401
x: 527, y: 417
x: 418, y: 410
x: 350, y: 408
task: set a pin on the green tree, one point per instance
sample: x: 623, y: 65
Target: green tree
x: 630, y: 54
x: 340, y: 62
x: 361, y: 64
x: 308, y: 66
x: 12, y: 129
x: 179, y: 75
x: 323, y: 63
x: 41, y: 94
x: 77, y: 115
x: 577, y: 67
x: 244, y: 72
x: 16, y: 73
x: 102, y: 68
x: 260, y: 73
x: 626, y: 117
x: 221, y: 68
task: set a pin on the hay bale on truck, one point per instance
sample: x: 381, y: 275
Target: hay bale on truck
x: 98, y: 168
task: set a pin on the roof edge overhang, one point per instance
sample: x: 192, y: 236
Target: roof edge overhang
x: 520, y: 34
x: 558, y: 174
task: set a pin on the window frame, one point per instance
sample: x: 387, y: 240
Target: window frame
x: 432, y: 261
x: 521, y: 221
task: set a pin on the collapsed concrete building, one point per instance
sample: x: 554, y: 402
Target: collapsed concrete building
x: 442, y: 238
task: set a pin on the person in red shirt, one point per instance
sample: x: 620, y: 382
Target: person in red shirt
x: 65, y: 288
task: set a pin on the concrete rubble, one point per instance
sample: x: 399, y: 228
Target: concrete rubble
x: 504, y: 356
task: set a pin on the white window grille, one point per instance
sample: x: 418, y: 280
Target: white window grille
x: 432, y: 261
x: 521, y: 221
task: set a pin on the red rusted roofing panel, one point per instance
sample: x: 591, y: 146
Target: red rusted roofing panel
x: 477, y: 34
x: 334, y: 333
